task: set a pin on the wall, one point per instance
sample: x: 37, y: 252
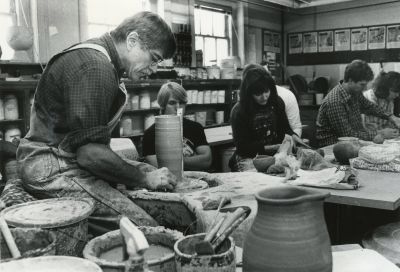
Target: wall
x: 350, y: 14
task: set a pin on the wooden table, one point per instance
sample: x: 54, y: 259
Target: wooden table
x: 379, y: 190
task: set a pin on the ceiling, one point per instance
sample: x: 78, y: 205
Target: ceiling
x: 305, y: 3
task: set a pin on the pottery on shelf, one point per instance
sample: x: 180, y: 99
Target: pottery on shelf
x: 288, y: 233
x: 20, y: 38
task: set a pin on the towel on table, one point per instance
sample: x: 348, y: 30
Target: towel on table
x: 342, y: 177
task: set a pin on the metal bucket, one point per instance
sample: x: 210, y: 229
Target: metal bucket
x: 31, y: 242
x: 67, y: 217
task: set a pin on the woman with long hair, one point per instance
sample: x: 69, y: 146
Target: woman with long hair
x: 385, y: 89
x: 259, y: 122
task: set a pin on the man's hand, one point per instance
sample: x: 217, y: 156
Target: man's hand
x: 161, y: 179
x: 395, y: 120
x: 389, y: 133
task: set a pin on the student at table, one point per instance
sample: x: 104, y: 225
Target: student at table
x: 386, y: 88
x: 259, y: 122
x: 291, y: 105
x: 196, y: 151
x: 340, y: 112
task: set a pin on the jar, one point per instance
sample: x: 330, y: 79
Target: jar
x: 137, y: 124
x: 207, y: 97
x: 200, y: 97
x: 1, y: 109
x: 214, y: 97
x: 144, y: 100
x: 12, y: 132
x: 10, y: 107
x: 126, y: 126
x: 189, y: 96
x: 221, y: 96
x: 219, y: 117
x: 194, y: 96
x: 135, y: 102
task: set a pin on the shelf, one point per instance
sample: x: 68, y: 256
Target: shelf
x: 18, y: 85
x: 133, y: 135
x: 309, y: 106
x: 142, y: 110
x: 157, y: 83
x: 7, y: 122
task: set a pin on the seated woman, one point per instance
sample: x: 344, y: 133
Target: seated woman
x: 259, y: 122
x: 196, y: 151
x: 386, y: 88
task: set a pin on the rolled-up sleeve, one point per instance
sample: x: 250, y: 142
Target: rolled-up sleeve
x: 89, y: 97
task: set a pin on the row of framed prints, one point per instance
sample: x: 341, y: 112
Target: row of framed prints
x: 349, y: 39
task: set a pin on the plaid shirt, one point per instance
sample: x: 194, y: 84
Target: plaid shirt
x: 76, y: 97
x: 340, y: 115
x: 384, y: 104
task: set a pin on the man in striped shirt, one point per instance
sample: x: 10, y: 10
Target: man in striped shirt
x: 340, y: 112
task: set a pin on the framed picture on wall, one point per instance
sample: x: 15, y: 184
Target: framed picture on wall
x: 272, y: 41
x: 359, y: 39
x: 310, y: 42
x: 393, y: 36
x: 295, y: 43
x: 376, y: 37
x: 325, y: 41
x: 342, y: 40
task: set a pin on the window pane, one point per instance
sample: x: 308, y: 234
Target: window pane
x: 97, y: 30
x: 210, y: 54
x: 199, y: 43
x: 196, y: 21
x: 222, y: 49
x: 5, y: 6
x: 5, y: 22
x: 206, y: 22
x: 219, y: 24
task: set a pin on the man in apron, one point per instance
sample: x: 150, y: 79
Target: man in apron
x: 78, y: 102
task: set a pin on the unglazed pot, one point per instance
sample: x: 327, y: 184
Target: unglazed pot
x: 168, y: 143
x: 288, y: 233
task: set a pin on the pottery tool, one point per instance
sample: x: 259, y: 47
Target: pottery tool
x: 208, y: 248
x: 134, y: 245
x: 5, y: 231
x: 228, y: 232
x: 221, y: 203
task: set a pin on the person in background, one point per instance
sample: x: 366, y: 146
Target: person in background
x: 386, y: 88
x: 78, y: 102
x: 196, y: 151
x: 340, y: 112
x: 259, y: 122
x: 291, y: 106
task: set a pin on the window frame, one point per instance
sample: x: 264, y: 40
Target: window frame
x: 227, y: 11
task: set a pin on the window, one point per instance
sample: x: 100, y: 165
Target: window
x: 213, y: 33
x: 5, y: 23
x: 105, y: 15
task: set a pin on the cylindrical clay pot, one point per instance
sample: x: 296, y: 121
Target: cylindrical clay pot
x: 289, y: 232
x: 168, y: 143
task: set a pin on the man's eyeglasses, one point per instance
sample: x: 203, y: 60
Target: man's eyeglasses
x: 155, y: 58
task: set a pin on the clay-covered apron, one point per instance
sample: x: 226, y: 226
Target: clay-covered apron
x: 98, y: 189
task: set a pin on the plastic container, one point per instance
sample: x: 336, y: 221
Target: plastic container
x: 200, y: 97
x: 66, y: 216
x: 11, y: 133
x: 10, y: 107
x: 214, y: 97
x: 144, y: 100
x: 207, y: 97
x: 221, y: 96
x: 1, y: 109
x: 126, y: 125
x: 194, y: 96
x: 135, y: 102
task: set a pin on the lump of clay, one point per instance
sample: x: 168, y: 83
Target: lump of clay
x: 213, y: 203
x: 344, y: 151
x: 378, y: 139
x: 276, y: 169
x: 263, y: 162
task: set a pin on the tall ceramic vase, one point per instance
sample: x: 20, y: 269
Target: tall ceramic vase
x: 289, y: 232
x: 168, y: 143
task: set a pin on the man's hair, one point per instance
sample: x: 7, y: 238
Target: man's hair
x: 386, y: 82
x: 170, y: 89
x: 358, y: 70
x: 255, y: 78
x: 152, y: 30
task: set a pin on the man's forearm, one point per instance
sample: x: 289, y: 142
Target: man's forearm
x: 102, y: 162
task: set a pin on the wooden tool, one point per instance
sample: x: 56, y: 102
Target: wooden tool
x: 207, y: 248
x: 228, y: 232
x: 9, y: 238
x: 134, y: 245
